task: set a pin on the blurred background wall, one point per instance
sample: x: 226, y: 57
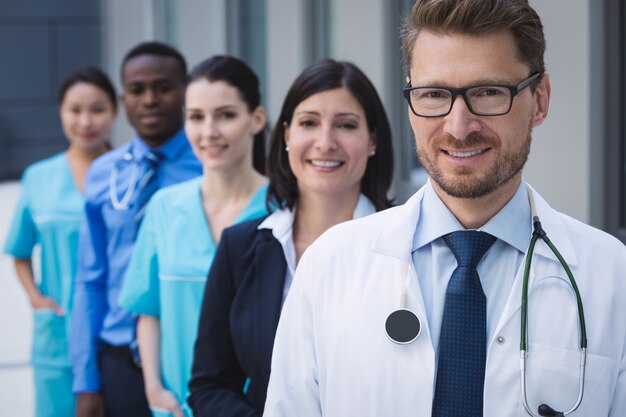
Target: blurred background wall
x: 577, y: 160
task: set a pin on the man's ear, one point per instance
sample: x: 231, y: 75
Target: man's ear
x: 542, y: 100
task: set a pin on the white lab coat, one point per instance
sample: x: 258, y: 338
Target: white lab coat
x: 332, y: 357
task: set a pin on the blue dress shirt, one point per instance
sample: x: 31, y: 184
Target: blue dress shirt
x: 106, y: 240
x: 434, y: 261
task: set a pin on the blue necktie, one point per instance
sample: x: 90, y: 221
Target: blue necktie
x: 463, y: 340
x: 148, y: 184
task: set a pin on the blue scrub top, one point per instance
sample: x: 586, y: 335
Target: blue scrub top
x: 168, y: 270
x: 49, y: 214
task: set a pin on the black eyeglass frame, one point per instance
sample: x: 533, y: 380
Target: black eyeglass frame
x: 455, y: 92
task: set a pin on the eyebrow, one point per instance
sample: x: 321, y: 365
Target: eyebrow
x: 314, y: 113
x: 484, y: 81
x: 226, y: 107
x: 221, y: 108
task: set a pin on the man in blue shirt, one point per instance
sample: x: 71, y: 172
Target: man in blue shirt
x: 119, y: 184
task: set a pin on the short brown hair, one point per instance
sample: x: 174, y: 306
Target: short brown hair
x: 479, y: 17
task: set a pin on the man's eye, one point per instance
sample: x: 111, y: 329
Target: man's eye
x: 488, y: 92
x: 491, y: 92
x: 137, y: 90
x: 427, y: 94
x: 164, y: 88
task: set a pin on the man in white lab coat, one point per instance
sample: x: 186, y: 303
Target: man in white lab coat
x: 477, y: 87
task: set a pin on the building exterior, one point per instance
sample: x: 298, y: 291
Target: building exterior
x: 577, y: 160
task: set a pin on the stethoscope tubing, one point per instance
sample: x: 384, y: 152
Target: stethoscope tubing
x: 124, y: 203
x: 539, y: 233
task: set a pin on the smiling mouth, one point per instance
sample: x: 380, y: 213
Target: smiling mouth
x: 320, y: 163
x: 150, y: 118
x: 468, y: 154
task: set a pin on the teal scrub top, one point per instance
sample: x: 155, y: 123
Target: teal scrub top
x: 48, y: 214
x: 168, y: 270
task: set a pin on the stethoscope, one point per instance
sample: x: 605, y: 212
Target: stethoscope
x: 133, y: 184
x: 124, y: 203
x: 403, y: 326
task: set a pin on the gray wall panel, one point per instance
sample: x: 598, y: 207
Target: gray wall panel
x: 75, y: 48
x: 44, y: 41
x: 20, y: 9
x: 28, y: 134
x: 31, y: 124
x: 26, y: 75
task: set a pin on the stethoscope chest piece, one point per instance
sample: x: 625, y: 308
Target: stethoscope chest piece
x: 402, y: 326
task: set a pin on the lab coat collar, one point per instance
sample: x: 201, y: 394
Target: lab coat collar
x: 554, y: 226
x: 396, y: 238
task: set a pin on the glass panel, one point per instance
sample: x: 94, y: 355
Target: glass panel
x: 411, y: 169
x: 323, y: 24
x: 247, y: 39
x: 622, y: 106
x: 165, y: 21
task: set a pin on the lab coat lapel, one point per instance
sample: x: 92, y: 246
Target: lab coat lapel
x: 270, y: 267
x: 396, y: 241
x: 543, y: 261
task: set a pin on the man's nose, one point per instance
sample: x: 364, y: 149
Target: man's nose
x: 149, y: 97
x: 461, y: 122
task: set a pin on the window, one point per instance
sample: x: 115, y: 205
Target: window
x: 247, y: 35
x: 409, y: 175
x: 164, y: 21
x: 615, y: 114
x: 320, y: 29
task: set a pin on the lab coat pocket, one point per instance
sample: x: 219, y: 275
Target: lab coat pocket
x: 552, y: 375
x: 50, y: 342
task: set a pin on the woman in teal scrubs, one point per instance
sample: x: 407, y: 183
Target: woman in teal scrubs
x: 225, y: 124
x: 49, y: 214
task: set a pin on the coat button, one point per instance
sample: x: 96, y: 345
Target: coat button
x: 500, y: 340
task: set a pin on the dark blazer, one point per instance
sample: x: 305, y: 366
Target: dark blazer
x: 240, y: 311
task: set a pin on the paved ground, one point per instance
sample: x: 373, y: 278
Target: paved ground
x: 16, y: 386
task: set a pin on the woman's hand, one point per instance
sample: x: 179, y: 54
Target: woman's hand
x: 162, y: 399
x: 39, y: 302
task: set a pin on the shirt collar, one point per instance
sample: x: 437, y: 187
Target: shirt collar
x: 280, y: 222
x: 168, y: 150
x: 436, y: 220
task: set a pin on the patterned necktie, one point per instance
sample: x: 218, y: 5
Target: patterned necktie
x: 148, y: 184
x: 463, y: 340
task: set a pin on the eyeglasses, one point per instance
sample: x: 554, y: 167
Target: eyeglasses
x: 482, y: 100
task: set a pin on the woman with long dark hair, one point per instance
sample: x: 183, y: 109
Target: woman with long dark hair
x: 330, y: 161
